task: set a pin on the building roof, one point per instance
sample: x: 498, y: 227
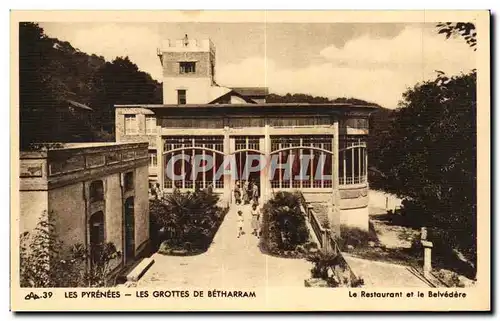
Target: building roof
x: 252, y: 106
x: 251, y: 91
x: 217, y: 92
x: 230, y: 93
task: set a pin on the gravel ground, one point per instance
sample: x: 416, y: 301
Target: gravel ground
x: 229, y: 262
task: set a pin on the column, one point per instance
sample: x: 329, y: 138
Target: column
x: 335, y: 217
x: 262, y: 170
x: 227, y: 177
x: 141, y: 124
x: 264, y: 176
x: 427, y: 258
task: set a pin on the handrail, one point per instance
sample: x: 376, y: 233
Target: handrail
x: 324, y: 236
x: 317, y: 228
x: 319, y: 231
x: 339, y: 253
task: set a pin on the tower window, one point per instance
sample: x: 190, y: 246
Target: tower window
x: 187, y: 67
x: 181, y: 96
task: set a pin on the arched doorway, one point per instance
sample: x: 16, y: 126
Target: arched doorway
x: 248, y: 162
x: 129, y: 222
x: 247, y: 170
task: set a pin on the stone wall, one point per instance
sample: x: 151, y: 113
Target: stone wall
x: 355, y: 196
x: 32, y: 205
x: 67, y: 209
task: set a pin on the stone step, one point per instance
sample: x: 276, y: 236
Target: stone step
x: 140, y: 269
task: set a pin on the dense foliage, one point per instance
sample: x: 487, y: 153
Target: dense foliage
x: 304, y: 98
x: 283, y: 224
x: 186, y: 221
x: 45, y: 262
x: 429, y: 156
x: 51, y: 72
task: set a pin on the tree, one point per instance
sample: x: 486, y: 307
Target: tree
x: 429, y: 156
x: 52, y: 71
x: 467, y: 30
x: 305, y: 98
x: 120, y: 82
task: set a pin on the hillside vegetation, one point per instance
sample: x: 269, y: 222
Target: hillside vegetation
x: 52, y: 71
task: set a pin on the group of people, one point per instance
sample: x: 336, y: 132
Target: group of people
x: 255, y: 223
x: 155, y: 191
x: 246, y: 193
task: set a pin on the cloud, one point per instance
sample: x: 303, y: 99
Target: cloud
x: 377, y: 70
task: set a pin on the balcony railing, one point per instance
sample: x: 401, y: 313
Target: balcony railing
x: 79, y: 162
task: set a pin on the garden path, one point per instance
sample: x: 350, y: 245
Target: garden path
x: 230, y: 262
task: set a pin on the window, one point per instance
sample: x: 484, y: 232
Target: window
x: 152, y: 158
x: 358, y: 123
x: 180, y: 160
x: 130, y: 125
x: 353, y: 160
x: 181, y: 97
x: 302, y: 161
x: 171, y: 122
x: 96, y: 191
x: 150, y: 125
x: 299, y: 121
x: 129, y: 181
x: 187, y: 67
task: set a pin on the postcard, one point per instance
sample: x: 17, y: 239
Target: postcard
x: 250, y: 161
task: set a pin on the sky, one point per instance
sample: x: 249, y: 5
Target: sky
x: 373, y: 62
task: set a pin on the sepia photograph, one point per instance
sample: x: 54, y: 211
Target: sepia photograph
x: 174, y: 159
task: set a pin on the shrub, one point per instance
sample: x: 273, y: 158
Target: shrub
x: 283, y: 225
x: 100, y: 258
x: 355, y: 236
x: 185, y: 220
x: 333, y: 269
x: 43, y: 263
